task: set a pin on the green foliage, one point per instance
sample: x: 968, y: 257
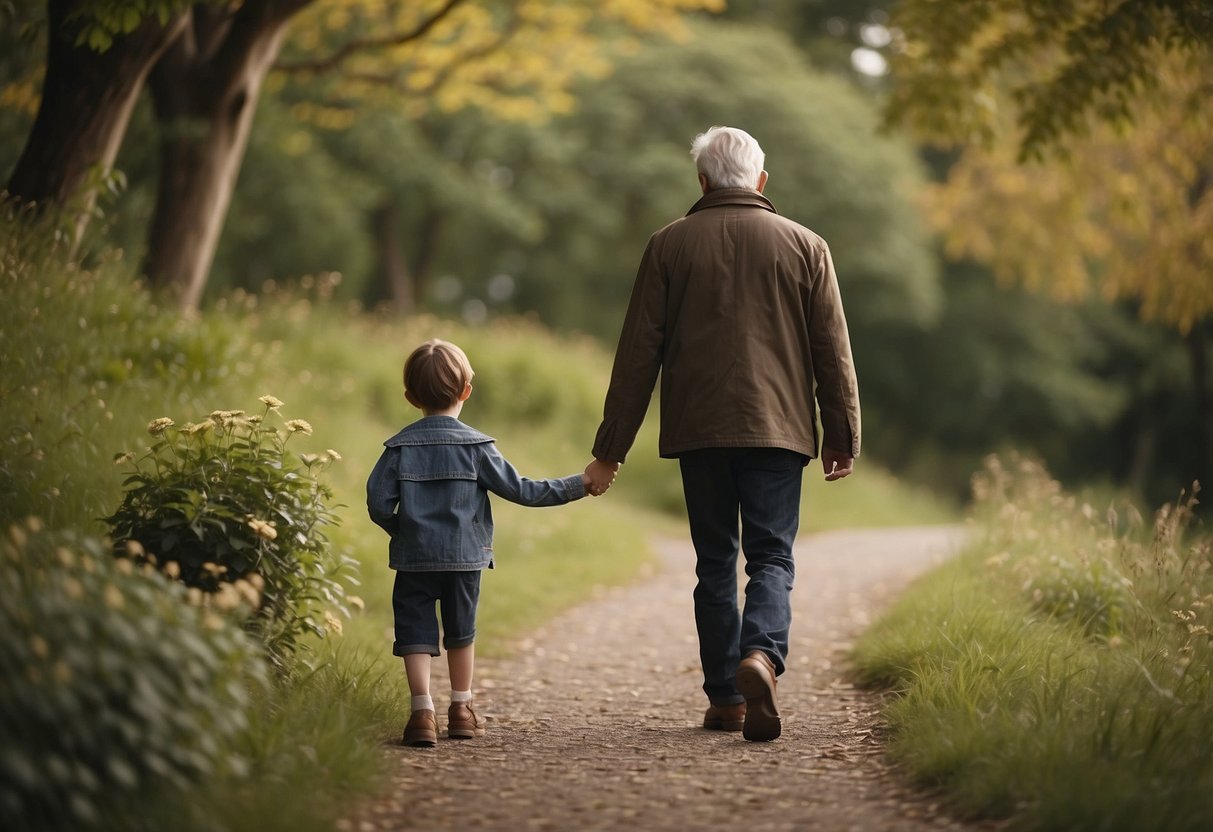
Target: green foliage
x: 114, y: 687
x: 1088, y: 595
x: 79, y: 345
x: 1065, y: 62
x: 224, y: 506
x: 97, y: 22
x: 1060, y: 671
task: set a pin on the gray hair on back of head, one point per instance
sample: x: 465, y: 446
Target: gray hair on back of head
x: 728, y: 157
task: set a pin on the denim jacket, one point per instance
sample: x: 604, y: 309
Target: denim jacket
x: 429, y: 492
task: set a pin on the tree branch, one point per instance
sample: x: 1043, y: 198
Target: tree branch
x: 352, y: 47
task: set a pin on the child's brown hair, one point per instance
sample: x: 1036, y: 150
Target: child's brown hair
x: 436, y: 374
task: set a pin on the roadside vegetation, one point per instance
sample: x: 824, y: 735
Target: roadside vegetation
x: 1058, y: 673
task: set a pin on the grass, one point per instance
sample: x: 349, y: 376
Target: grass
x: 1057, y: 673
x: 89, y: 358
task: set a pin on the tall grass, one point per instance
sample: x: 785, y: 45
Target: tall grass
x: 1058, y: 673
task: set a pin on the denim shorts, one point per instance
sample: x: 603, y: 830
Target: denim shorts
x: 413, y: 598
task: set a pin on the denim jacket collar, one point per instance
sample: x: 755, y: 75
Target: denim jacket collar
x: 438, y: 430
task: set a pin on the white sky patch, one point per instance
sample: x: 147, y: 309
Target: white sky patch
x: 869, y: 62
x: 875, y: 35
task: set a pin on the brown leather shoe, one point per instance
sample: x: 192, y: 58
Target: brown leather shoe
x: 462, y: 722
x: 422, y: 729
x: 756, y: 682
x: 724, y: 717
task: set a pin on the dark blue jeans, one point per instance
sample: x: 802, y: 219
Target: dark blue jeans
x: 762, y: 485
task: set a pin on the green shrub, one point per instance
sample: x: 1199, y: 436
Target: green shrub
x: 224, y: 506
x: 114, y: 688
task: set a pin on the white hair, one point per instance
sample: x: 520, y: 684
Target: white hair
x: 728, y: 158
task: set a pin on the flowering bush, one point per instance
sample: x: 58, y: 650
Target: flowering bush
x: 223, y: 506
x: 114, y: 689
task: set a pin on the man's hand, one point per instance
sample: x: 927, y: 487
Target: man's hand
x: 599, y: 475
x: 836, y: 464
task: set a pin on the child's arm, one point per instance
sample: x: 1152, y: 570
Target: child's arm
x: 382, y: 491
x: 500, y: 477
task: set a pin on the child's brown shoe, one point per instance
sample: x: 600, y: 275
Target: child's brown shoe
x: 421, y: 730
x: 462, y: 721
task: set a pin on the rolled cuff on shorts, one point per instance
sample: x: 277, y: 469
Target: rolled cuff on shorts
x: 454, y: 643
x: 399, y: 649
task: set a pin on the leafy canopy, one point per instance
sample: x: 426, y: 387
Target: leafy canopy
x: 1064, y: 62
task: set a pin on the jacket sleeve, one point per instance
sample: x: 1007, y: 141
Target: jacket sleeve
x: 637, y: 360
x: 497, y: 475
x: 383, y: 491
x: 833, y: 366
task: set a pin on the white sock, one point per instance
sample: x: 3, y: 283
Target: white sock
x: 423, y: 703
x: 461, y: 696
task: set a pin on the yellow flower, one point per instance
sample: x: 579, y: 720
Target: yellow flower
x: 134, y: 549
x: 308, y: 459
x: 333, y: 454
x: 299, y: 426
x: 113, y: 597
x: 158, y: 426
x: 201, y: 427
x: 172, y: 569
x: 332, y: 622
x: 227, y: 598
x: 262, y: 529
x: 247, y: 592
x: 272, y: 402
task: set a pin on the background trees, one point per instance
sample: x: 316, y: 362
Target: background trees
x: 1084, y: 159
x: 478, y: 158
x: 208, y: 62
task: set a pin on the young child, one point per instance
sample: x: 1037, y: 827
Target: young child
x: 429, y: 492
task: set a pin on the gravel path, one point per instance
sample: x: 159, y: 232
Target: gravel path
x: 594, y: 721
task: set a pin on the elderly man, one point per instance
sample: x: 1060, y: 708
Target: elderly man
x: 739, y: 310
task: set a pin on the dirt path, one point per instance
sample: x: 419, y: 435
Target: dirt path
x: 594, y: 722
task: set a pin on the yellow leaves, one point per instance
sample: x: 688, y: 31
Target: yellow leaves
x: 22, y: 95
x: 517, y: 60
x: 1129, y: 212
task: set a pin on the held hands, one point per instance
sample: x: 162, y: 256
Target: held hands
x: 598, y: 476
x: 836, y: 464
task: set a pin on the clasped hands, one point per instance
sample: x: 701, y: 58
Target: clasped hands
x: 598, y: 476
x: 600, y: 473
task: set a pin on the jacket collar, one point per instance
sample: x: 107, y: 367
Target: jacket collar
x: 746, y: 197
x: 438, y: 430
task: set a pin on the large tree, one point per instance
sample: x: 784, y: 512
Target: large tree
x: 1084, y: 153
x: 213, y: 60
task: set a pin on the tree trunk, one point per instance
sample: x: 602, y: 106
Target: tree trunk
x: 205, y: 90
x: 429, y: 236
x: 87, y: 99
x: 390, y: 266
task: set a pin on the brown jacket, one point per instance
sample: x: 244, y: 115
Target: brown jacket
x: 739, y: 309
